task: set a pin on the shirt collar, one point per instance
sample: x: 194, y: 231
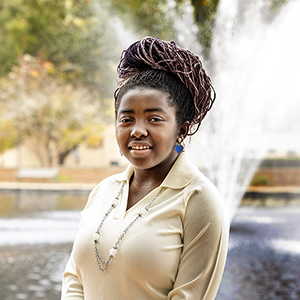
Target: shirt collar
x: 180, y: 175
x: 125, y: 176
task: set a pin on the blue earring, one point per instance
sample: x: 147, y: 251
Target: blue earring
x: 120, y: 152
x: 178, y: 146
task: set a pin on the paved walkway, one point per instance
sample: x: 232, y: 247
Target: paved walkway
x: 36, y: 186
x: 274, y: 189
x: 15, y: 186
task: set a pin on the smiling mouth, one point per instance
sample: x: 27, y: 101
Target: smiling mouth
x: 139, y: 147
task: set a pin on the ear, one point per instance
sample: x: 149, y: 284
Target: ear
x: 184, y: 130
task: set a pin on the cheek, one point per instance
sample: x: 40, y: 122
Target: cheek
x: 167, y: 141
x: 119, y: 137
x: 122, y: 136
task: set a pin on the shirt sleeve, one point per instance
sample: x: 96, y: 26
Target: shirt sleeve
x: 72, y: 289
x: 205, y: 242
x: 71, y: 286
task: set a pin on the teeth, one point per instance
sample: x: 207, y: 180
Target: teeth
x: 140, y: 147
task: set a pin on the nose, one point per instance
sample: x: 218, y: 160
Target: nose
x: 138, y: 131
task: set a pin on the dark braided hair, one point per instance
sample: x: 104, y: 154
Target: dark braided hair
x: 157, y: 64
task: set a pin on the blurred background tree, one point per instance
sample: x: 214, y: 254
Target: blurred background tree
x: 57, y: 68
x: 152, y: 17
x: 75, y: 35
x: 51, y: 116
x: 205, y: 15
x: 8, y: 135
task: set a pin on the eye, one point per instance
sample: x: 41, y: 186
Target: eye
x: 155, y: 119
x: 125, y: 120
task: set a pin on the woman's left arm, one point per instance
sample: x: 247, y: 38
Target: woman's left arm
x: 205, y: 242
x: 72, y: 288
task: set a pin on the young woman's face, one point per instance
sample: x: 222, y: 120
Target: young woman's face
x: 146, y: 128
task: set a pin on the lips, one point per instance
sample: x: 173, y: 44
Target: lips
x: 139, y: 147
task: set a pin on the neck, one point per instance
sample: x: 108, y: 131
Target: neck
x: 144, y: 181
x: 151, y: 178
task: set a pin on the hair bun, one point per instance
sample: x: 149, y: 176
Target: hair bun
x: 154, y: 53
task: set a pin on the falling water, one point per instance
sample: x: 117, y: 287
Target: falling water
x: 255, y: 70
x: 255, y: 67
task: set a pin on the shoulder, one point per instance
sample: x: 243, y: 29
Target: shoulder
x: 204, y: 200
x: 202, y: 186
x: 112, y: 182
x: 104, y: 184
x: 198, y: 191
x: 106, y: 188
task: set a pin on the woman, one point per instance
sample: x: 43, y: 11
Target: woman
x: 158, y: 230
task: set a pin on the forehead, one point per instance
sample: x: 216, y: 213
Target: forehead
x: 143, y: 98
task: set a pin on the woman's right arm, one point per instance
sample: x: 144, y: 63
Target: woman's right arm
x: 71, y: 286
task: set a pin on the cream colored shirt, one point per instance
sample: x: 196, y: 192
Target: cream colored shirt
x: 177, y: 250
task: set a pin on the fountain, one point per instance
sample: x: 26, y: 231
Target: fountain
x: 255, y: 69
x: 254, y: 66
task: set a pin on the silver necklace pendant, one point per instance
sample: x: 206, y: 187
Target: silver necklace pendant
x: 103, y: 264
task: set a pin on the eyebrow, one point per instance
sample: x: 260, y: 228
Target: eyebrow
x: 154, y: 109
x: 126, y: 111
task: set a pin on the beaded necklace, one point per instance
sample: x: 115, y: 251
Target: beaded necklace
x: 103, y: 264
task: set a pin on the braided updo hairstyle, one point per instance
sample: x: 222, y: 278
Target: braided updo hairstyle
x: 162, y: 65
